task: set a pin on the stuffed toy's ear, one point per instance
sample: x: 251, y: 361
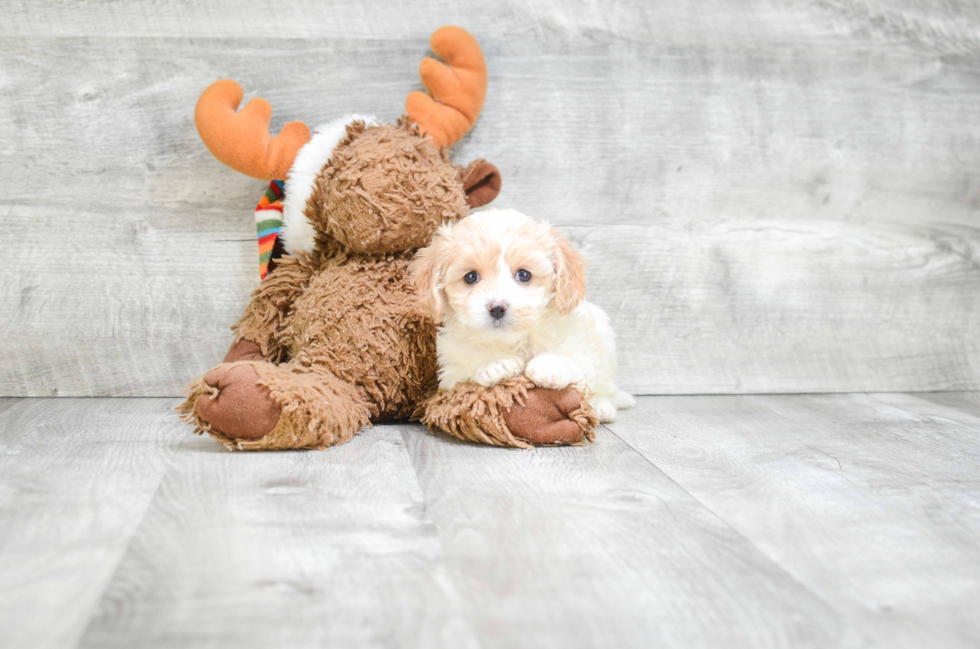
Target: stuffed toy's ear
x: 481, y: 182
x: 428, y: 270
x: 569, y: 274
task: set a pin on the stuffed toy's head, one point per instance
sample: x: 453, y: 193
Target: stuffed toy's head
x: 355, y: 183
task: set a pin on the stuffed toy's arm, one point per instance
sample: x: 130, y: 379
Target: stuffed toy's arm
x: 511, y: 413
x: 260, y: 327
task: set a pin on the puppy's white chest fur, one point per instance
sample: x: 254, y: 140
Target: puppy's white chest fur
x: 583, y: 337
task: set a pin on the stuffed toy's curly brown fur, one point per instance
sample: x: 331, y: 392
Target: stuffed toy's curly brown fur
x: 511, y: 413
x: 340, y: 334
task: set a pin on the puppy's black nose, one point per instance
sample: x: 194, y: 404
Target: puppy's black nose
x: 497, y: 311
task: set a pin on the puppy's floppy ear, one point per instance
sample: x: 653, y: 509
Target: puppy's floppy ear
x: 569, y: 274
x: 428, y: 271
x: 481, y: 182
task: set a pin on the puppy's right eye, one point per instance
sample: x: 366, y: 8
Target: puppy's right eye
x: 471, y: 277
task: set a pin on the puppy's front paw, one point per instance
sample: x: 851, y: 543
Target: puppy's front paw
x: 493, y: 373
x: 553, y: 372
x: 604, y: 410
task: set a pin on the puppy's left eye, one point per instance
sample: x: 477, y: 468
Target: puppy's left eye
x: 523, y: 276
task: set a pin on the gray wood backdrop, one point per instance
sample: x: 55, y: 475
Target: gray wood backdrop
x: 774, y: 196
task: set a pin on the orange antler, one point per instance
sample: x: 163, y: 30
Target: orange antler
x: 241, y: 140
x: 458, y: 87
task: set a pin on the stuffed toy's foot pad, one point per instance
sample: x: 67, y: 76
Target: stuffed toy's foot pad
x: 237, y: 407
x: 545, y: 418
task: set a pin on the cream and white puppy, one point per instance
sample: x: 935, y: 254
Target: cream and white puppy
x: 508, y: 293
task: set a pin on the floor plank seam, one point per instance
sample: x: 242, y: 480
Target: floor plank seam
x: 772, y: 560
x: 405, y: 432
x: 122, y: 555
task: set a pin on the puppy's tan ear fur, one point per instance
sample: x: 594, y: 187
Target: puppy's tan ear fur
x: 428, y: 269
x: 569, y: 274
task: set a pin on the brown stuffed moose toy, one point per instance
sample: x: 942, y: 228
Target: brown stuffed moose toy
x: 333, y: 338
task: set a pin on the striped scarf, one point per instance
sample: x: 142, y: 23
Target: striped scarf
x: 268, y: 224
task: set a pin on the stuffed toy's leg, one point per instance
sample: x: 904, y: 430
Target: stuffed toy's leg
x: 257, y: 405
x: 251, y: 402
x: 512, y: 413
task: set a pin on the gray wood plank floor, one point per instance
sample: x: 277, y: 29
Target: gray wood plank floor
x: 703, y: 521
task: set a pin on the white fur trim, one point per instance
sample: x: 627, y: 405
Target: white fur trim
x: 298, y: 233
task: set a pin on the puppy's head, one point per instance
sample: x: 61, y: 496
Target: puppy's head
x: 498, y: 271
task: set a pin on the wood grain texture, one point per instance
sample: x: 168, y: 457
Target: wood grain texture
x: 775, y: 521
x: 76, y: 476
x: 773, y: 197
x: 871, y: 502
x: 302, y: 549
x: 949, y: 25
x: 593, y: 546
x: 957, y: 404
